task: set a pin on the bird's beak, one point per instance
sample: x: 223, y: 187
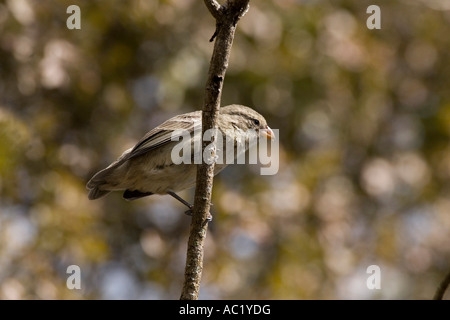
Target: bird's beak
x: 268, y: 133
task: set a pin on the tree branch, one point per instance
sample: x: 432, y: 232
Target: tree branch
x: 226, y: 17
x: 214, y: 8
x: 439, y: 295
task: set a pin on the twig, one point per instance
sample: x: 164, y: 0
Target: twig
x: 439, y: 295
x: 226, y: 16
x: 214, y: 8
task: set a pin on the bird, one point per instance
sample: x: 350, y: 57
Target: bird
x: 148, y: 167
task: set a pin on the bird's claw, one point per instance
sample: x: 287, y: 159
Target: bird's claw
x: 208, y: 217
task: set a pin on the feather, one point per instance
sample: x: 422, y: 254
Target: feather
x: 167, y: 132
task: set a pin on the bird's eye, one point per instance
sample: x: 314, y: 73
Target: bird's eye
x: 256, y: 121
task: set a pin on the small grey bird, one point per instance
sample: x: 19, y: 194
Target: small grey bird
x: 148, y: 169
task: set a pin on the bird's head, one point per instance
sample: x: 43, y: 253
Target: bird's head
x: 243, y: 118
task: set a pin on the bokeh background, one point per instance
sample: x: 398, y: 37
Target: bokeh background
x: 364, y: 119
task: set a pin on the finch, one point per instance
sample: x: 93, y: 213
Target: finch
x: 148, y: 168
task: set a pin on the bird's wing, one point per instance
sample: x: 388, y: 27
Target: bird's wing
x: 163, y: 134
x: 168, y: 131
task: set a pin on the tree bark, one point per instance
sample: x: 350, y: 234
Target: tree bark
x: 226, y: 16
x: 440, y: 292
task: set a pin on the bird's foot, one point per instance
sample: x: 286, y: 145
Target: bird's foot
x: 208, y: 217
x: 187, y: 204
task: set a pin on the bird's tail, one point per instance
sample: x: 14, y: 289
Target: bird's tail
x: 98, y: 184
x: 102, y: 183
x: 108, y: 179
x: 96, y: 193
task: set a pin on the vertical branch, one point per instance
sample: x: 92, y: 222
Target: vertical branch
x: 226, y: 16
x: 439, y: 295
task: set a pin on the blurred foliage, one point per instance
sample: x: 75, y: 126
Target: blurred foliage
x: 364, y: 119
